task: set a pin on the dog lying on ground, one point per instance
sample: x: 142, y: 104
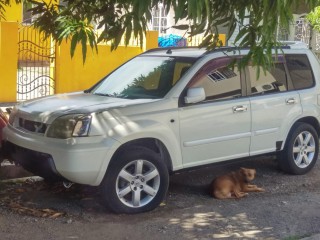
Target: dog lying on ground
x: 235, y: 184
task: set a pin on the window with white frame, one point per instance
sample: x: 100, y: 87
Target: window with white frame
x: 159, y: 18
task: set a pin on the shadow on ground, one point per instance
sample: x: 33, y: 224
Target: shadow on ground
x: 289, y: 207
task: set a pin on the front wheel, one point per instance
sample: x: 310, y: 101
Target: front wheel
x: 136, y: 181
x: 301, y: 150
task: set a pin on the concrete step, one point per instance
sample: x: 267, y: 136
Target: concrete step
x: 11, y: 171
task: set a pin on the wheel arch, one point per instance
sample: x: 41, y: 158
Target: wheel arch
x: 309, y: 120
x: 312, y: 121
x: 151, y: 143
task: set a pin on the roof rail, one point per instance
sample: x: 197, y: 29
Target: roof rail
x: 169, y: 48
x: 225, y: 49
x: 284, y: 45
x: 229, y: 49
x: 295, y: 44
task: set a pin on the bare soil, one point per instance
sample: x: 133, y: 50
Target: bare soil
x: 289, y: 209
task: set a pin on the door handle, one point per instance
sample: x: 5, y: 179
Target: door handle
x: 291, y: 101
x: 236, y: 109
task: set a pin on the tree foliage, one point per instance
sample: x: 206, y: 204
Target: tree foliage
x: 314, y: 18
x: 257, y: 19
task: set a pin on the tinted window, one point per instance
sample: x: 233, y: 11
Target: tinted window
x: 300, y: 71
x: 273, y: 80
x: 219, y: 80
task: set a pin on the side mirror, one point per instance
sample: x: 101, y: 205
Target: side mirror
x: 195, y: 95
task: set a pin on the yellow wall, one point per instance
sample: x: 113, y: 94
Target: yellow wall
x: 151, y: 40
x: 8, y: 61
x: 73, y: 75
x: 197, y: 39
x: 222, y: 38
x: 13, y: 13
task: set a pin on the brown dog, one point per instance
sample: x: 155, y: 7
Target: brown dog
x: 234, y: 184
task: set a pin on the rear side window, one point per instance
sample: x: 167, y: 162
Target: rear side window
x: 300, y: 71
x: 271, y: 81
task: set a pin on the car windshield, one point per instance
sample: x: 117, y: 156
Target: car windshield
x: 144, y: 77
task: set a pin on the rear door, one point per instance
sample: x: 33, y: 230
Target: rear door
x: 274, y: 105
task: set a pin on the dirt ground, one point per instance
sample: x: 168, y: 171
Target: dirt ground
x: 289, y: 209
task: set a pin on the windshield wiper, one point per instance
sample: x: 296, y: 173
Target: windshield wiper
x: 106, y: 95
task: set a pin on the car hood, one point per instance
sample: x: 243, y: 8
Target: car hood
x: 46, y: 109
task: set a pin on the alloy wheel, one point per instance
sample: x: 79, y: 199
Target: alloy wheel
x: 304, y: 149
x: 138, y: 183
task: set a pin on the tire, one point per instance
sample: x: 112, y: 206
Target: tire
x: 301, y: 150
x: 136, y: 181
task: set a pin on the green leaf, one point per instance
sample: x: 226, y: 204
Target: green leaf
x: 74, y: 42
x: 206, y: 41
x: 84, y: 46
x: 181, y: 27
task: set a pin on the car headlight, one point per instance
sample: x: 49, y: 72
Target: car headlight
x: 76, y: 125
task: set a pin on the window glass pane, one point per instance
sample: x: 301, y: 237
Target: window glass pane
x: 180, y: 69
x: 219, y: 79
x: 300, y: 71
x: 273, y: 80
x: 143, y: 77
x: 159, y: 19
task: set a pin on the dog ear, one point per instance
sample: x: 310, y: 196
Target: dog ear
x: 243, y: 171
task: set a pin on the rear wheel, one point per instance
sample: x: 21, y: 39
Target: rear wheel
x: 136, y: 181
x: 301, y: 150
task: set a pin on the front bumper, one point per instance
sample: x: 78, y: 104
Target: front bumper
x: 40, y: 164
x: 79, y: 160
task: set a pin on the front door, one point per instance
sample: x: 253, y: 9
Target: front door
x: 219, y: 127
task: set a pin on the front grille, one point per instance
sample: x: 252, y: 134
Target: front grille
x: 32, y: 126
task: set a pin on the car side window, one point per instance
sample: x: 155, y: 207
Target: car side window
x: 219, y: 79
x: 270, y: 81
x: 300, y: 71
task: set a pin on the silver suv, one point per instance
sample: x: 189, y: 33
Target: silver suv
x: 167, y: 110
